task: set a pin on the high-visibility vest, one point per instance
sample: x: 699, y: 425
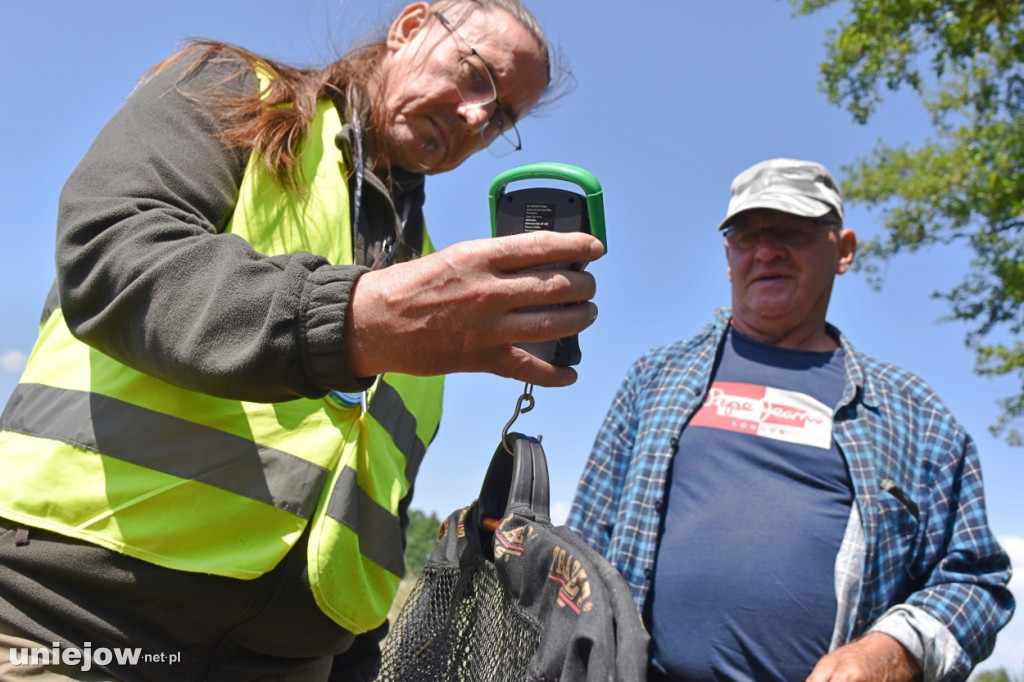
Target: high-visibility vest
x: 93, y: 449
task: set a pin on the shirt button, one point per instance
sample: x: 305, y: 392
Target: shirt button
x: 648, y: 573
x: 657, y: 505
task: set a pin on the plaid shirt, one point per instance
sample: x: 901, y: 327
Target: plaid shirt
x: 918, y: 560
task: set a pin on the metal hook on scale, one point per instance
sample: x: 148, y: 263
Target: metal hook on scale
x: 525, y: 399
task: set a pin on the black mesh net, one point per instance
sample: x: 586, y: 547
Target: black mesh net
x: 459, y: 626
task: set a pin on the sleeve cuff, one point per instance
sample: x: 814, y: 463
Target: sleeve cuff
x: 328, y: 298
x: 928, y: 641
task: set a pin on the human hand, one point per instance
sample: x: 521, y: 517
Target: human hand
x: 875, y: 657
x: 459, y: 309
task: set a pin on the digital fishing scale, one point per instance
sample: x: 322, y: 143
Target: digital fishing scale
x: 549, y: 208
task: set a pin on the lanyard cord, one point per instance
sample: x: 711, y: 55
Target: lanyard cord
x: 357, y: 194
x: 391, y: 243
x: 383, y: 259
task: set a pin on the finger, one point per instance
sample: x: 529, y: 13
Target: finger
x: 518, y: 364
x: 546, y: 324
x: 533, y: 288
x: 542, y: 247
x: 823, y: 670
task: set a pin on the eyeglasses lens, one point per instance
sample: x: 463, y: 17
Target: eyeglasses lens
x: 476, y: 86
x: 474, y: 82
x: 787, y: 234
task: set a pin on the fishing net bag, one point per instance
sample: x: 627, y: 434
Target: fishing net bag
x: 506, y: 596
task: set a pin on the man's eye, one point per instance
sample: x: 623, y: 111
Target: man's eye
x: 500, y: 120
x: 473, y: 78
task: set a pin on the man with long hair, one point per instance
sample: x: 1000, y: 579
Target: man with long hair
x: 210, y: 455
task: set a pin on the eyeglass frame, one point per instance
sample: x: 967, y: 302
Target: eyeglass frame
x: 750, y: 229
x: 510, y: 134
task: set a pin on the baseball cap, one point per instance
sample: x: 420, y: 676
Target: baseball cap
x: 803, y: 188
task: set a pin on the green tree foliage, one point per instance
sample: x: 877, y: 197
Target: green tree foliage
x: 965, y: 184
x: 421, y: 536
x: 999, y: 675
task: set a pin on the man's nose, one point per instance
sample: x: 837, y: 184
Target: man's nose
x: 476, y: 116
x: 768, y: 246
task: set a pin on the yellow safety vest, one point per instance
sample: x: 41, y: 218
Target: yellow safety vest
x: 93, y: 449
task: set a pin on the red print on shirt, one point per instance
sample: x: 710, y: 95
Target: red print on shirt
x: 766, y: 412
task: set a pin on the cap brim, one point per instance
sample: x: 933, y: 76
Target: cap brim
x: 787, y: 203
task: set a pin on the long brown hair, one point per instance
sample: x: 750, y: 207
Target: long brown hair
x: 272, y: 123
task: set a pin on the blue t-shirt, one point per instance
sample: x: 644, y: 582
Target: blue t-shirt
x: 760, y: 496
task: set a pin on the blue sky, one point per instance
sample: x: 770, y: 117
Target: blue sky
x: 673, y: 99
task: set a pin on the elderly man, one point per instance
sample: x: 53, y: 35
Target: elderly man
x: 209, y: 458
x: 783, y: 506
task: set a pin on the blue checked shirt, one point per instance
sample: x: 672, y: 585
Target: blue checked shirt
x: 917, y: 562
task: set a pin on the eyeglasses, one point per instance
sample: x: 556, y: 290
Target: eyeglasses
x: 475, y: 84
x: 795, y: 233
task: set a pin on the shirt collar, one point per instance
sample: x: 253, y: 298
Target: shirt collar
x: 856, y: 382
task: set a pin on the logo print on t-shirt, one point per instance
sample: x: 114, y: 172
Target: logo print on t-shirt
x: 766, y: 412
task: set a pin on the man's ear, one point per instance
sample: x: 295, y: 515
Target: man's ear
x: 407, y: 24
x: 847, y: 250
x: 728, y: 266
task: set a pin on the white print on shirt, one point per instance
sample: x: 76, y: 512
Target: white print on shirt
x: 766, y: 412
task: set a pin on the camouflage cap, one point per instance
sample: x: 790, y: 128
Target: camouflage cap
x: 803, y: 188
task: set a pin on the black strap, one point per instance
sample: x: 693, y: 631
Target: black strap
x: 517, y: 482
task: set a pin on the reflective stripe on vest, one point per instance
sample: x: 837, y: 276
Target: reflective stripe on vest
x: 95, y: 450
x: 48, y: 412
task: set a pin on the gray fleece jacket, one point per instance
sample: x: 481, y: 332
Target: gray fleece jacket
x: 146, y: 274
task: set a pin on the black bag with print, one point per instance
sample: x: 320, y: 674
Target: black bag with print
x: 507, y: 596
